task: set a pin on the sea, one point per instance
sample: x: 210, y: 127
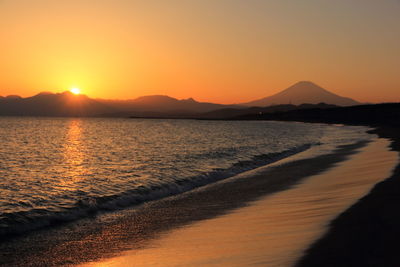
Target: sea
x: 57, y: 170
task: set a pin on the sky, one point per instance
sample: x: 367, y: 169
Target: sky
x: 225, y: 51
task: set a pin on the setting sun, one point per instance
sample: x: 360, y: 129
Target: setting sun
x: 75, y: 91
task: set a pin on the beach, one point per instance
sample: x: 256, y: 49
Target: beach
x: 273, y: 230
x: 234, y: 222
x: 367, y: 233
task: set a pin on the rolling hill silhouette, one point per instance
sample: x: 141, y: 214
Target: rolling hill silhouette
x: 68, y: 104
x: 49, y: 104
x: 160, y: 104
x: 303, y: 93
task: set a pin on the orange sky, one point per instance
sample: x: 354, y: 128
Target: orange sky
x: 225, y: 51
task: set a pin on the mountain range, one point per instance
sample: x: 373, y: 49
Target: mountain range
x: 68, y: 104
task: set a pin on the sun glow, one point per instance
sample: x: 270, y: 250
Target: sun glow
x: 75, y: 91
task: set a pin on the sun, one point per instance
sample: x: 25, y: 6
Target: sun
x: 75, y: 91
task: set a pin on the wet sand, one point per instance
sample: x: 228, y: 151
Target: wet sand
x: 271, y: 231
x: 368, y: 233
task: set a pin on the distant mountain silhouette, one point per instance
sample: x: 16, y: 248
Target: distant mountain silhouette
x: 48, y: 104
x: 161, y: 106
x: 301, y: 93
x: 68, y: 104
x: 157, y: 104
x: 13, y: 97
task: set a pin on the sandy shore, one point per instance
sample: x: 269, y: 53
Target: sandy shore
x: 228, y: 223
x: 368, y: 233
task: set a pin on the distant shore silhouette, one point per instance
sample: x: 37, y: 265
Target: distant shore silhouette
x: 298, y: 96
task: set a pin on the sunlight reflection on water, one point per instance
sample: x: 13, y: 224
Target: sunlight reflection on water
x: 74, y: 168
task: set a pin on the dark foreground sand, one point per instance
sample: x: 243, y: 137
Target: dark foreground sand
x: 105, y: 236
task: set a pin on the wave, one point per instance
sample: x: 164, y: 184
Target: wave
x: 15, y: 223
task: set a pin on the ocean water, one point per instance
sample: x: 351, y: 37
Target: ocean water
x: 61, y: 169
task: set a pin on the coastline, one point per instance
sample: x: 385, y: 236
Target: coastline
x: 85, y: 241
x: 367, y: 233
x: 273, y: 230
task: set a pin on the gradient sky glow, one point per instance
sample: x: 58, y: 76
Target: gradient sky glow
x: 213, y: 50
